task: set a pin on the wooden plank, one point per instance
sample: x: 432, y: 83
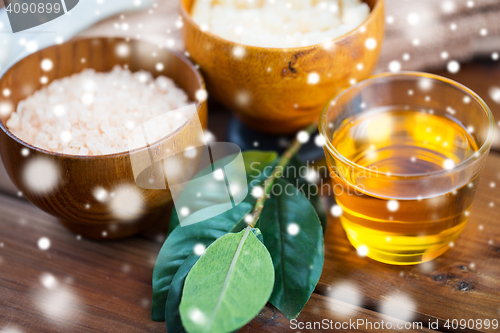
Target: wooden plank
x: 464, y: 283
x: 482, y: 77
x: 6, y: 184
x: 103, y: 286
x: 96, y: 287
x: 322, y: 314
x: 109, y: 289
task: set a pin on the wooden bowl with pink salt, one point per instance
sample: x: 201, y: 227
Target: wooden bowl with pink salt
x: 65, y: 116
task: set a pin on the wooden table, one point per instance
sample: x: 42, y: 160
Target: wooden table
x: 79, y: 285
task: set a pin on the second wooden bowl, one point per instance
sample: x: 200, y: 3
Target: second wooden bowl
x: 73, y: 198
x: 268, y: 87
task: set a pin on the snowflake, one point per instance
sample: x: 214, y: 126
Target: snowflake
x: 394, y: 66
x: 46, y: 65
x: 303, y: 136
x: 44, y: 243
x: 293, y: 229
x: 362, y: 251
x: 313, y: 78
x: 199, y: 249
x: 371, y: 43
x: 392, y: 205
x: 399, y: 306
x: 453, y: 67
x: 336, y: 210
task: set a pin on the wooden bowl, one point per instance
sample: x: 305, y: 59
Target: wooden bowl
x: 73, y: 200
x: 268, y: 88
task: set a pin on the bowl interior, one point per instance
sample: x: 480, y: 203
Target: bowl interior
x: 186, y: 5
x: 100, y: 54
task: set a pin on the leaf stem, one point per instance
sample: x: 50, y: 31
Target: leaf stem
x: 277, y: 171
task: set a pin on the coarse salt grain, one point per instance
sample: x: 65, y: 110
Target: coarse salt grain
x: 280, y: 23
x: 89, y: 113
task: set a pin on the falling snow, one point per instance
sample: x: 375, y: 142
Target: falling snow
x: 494, y: 93
x: 239, y: 52
x: 190, y: 152
x: 184, y: 211
x: 311, y: 175
x: 394, y: 66
x: 100, y: 194
x: 425, y: 84
x: 448, y: 164
x: 319, y: 140
x: 399, y: 306
x: 371, y: 43
x: 362, y: 251
x: 293, y: 229
x: 453, y: 66
x: 336, y: 210
x: 6, y: 108
x: 392, y: 205
x: 48, y: 281
x: 346, y: 293
x: 122, y: 50
x: 40, y: 175
x: 248, y: 218
x: 219, y: 174
x: 413, y: 19
x: 44, y: 243
x: 46, y: 65
x: 313, y: 78
x: 127, y: 202
x: 257, y: 192
x: 197, y: 316
x: 199, y: 249
x: 201, y: 95
x: 303, y: 136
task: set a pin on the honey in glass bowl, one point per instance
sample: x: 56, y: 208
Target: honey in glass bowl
x: 405, y: 167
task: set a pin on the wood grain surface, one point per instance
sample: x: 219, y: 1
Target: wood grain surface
x: 106, y: 286
x: 80, y: 285
x: 461, y: 284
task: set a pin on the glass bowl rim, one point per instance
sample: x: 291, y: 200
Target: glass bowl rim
x: 323, y: 126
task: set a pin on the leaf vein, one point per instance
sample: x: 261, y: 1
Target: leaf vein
x: 228, y: 276
x: 282, y: 266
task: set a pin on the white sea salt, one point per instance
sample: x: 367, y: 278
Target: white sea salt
x: 93, y: 113
x: 280, y: 23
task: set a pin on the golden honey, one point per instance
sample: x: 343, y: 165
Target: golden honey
x: 402, y: 224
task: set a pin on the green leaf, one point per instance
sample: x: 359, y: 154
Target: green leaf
x: 307, y: 188
x: 180, y: 244
x: 228, y: 286
x: 172, y: 315
x: 258, y: 167
x: 293, y: 235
